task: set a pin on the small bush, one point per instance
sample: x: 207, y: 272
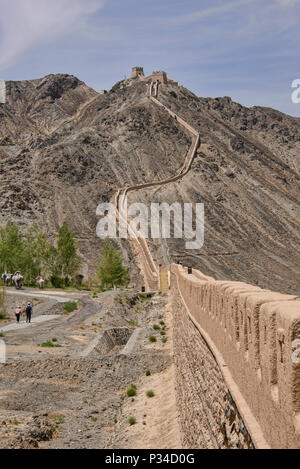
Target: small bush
x: 164, y: 340
x: 70, y: 306
x: 2, y: 317
x: 132, y: 421
x: 150, y: 394
x: 162, y: 323
x: 162, y: 333
x: 133, y: 323
x: 156, y: 327
x: 148, y: 373
x: 131, y: 392
x: 1, y: 334
x: 153, y: 339
x: 54, y: 340
x: 144, y: 299
x: 49, y: 344
x: 67, y: 282
x: 59, y: 419
x: 56, y: 281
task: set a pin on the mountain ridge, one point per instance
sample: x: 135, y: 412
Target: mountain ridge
x: 65, y: 148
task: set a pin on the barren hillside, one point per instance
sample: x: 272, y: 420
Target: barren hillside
x: 64, y: 149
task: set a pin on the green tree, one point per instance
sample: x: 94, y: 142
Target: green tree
x: 11, y: 247
x: 111, y: 271
x: 68, y: 259
x: 2, y: 300
x: 30, y: 259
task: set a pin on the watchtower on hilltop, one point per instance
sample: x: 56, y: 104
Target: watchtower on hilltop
x: 137, y: 72
x: 159, y: 77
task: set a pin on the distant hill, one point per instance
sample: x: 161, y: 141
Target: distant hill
x: 65, y: 148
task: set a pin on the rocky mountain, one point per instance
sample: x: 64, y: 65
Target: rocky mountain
x: 65, y: 148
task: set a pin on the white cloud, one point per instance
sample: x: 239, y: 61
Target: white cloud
x: 214, y: 11
x: 25, y: 24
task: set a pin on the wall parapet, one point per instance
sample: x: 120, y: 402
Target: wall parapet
x: 252, y: 331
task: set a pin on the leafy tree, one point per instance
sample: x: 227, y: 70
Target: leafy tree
x: 111, y: 271
x: 11, y: 247
x: 30, y: 259
x: 2, y: 300
x: 68, y: 259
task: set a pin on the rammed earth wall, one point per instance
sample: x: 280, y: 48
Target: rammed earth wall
x: 209, y: 418
x: 234, y: 337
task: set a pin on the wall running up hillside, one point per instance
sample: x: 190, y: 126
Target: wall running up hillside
x: 250, y: 332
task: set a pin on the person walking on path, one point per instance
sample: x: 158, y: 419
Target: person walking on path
x: 18, y: 313
x: 28, y: 313
x: 3, y: 276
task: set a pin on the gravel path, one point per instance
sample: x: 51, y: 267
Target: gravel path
x: 23, y: 325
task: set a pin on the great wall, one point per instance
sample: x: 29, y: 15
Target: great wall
x: 235, y: 345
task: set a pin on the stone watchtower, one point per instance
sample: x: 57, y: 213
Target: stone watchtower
x: 137, y: 72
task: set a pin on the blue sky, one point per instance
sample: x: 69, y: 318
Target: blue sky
x: 246, y: 49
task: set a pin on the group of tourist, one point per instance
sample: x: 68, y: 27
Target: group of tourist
x: 27, y: 311
x: 7, y: 278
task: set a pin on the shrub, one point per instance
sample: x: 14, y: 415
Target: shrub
x: 131, y: 392
x: 2, y: 317
x: 156, y: 327
x: 152, y: 339
x: 150, y: 394
x: 59, y: 419
x: 1, y: 334
x: 133, y: 323
x: 111, y: 271
x: 162, y: 323
x: 162, y: 333
x: 148, y: 373
x: 56, y: 281
x: 132, y: 421
x: 70, y: 306
x: 49, y: 344
x: 164, y: 340
x: 67, y: 281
